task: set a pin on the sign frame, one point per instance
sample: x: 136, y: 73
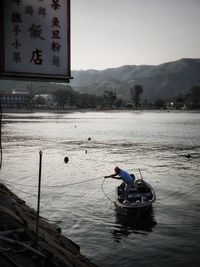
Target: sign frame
x: 15, y: 75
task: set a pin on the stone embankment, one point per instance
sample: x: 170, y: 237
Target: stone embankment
x: 18, y: 235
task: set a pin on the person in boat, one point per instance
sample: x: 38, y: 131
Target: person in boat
x: 127, y: 178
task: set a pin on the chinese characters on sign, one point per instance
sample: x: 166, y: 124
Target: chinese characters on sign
x: 36, y: 37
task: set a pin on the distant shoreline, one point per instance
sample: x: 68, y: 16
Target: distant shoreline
x: 61, y: 111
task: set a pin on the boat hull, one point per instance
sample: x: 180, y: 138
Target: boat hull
x: 140, y: 198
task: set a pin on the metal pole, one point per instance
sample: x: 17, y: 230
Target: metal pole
x: 38, y: 202
x: 140, y: 174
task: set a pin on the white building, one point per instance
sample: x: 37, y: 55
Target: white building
x: 17, y: 97
x: 43, y: 100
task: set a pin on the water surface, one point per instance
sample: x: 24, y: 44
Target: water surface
x: 96, y: 142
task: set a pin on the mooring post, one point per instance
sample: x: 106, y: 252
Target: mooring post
x: 38, y: 201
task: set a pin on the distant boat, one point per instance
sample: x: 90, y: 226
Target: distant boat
x: 140, y: 199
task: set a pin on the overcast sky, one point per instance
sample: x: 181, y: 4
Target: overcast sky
x: 112, y: 33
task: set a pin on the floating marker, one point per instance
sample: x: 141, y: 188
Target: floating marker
x: 66, y: 159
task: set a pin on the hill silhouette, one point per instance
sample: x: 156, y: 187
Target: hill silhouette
x: 160, y: 81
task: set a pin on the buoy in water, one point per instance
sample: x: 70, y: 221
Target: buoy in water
x: 66, y: 159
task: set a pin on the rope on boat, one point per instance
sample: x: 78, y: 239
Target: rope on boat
x: 10, y: 184
x: 105, y: 192
x: 58, y: 186
x: 88, y: 180
x: 51, y: 186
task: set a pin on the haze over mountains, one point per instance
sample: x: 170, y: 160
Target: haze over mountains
x: 160, y: 81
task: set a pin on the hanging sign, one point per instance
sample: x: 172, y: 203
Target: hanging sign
x: 35, y: 39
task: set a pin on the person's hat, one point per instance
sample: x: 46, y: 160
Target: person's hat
x: 117, y: 170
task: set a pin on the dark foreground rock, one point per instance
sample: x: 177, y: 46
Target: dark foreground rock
x: 17, y: 238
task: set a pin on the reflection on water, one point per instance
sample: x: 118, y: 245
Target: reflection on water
x: 137, y: 223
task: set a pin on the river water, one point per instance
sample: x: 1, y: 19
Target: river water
x: 96, y: 142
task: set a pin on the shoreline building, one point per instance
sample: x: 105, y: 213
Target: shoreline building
x: 15, y: 98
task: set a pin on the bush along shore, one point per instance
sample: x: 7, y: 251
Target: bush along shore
x: 18, y: 246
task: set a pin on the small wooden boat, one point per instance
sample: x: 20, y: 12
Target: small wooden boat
x: 140, y: 198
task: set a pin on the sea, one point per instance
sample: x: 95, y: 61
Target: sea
x: 162, y: 147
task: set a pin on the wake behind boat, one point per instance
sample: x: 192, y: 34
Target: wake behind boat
x: 140, y: 198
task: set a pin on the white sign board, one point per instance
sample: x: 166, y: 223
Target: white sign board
x: 36, y: 38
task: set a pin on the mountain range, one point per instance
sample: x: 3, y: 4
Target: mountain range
x: 158, y: 81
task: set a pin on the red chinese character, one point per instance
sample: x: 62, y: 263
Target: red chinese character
x: 16, y: 1
x: 42, y: 11
x: 16, y: 30
x: 55, y: 46
x: 55, y: 4
x: 29, y: 10
x: 17, y: 57
x: 55, y: 23
x: 37, y: 57
x: 55, y: 34
x: 16, y: 44
x: 36, y: 31
x: 55, y: 61
x: 16, y: 17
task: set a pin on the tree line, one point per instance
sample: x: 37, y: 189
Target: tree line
x: 109, y: 99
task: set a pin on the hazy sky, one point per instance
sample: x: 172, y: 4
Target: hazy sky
x: 111, y: 33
